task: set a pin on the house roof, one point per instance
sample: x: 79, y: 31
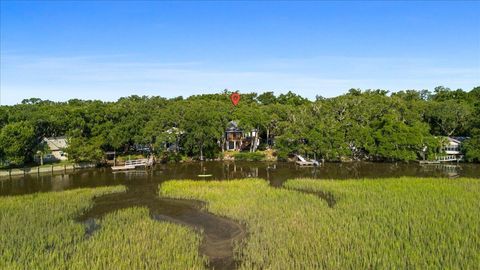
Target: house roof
x: 56, y: 143
x: 233, y: 127
x: 457, y: 140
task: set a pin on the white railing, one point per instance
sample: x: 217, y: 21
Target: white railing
x: 449, y: 158
x: 137, y: 162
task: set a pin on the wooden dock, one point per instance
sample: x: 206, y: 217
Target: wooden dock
x: 429, y: 162
x: 123, y: 168
x: 133, y: 164
x: 441, y: 159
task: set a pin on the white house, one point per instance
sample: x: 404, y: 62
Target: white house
x: 173, y: 133
x: 453, y: 146
x: 56, y: 147
x: 452, y: 149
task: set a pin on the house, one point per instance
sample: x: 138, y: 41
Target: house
x: 55, y: 149
x: 138, y: 147
x: 452, y: 149
x: 173, y: 143
x: 236, y: 139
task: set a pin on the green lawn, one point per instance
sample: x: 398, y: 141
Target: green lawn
x: 382, y: 224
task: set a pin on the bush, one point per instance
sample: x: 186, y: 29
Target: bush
x: 249, y: 156
x: 282, y: 155
x: 171, y: 157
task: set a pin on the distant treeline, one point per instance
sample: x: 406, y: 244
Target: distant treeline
x: 368, y: 125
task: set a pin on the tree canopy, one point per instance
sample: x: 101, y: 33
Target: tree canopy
x: 370, y: 124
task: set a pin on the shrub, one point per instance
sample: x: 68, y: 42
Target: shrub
x: 249, y: 156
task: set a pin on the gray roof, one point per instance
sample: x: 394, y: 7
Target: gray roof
x: 233, y: 127
x: 56, y: 143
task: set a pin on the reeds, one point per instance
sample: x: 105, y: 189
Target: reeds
x: 401, y: 223
x: 132, y: 240
x: 39, y: 231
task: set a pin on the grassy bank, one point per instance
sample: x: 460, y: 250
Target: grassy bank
x: 384, y: 223
x: 249, y: 156
x: 40, y: 232
x: 401, y: 223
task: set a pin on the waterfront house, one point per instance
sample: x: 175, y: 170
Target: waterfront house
x: 452, y: 149
x: 236, y: 139
x: 54, y: 149
x: 172, y: 143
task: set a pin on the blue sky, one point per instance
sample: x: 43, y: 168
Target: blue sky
x: 106, y: 50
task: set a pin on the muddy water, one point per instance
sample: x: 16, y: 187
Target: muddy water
x: 275, y: 173
x: 219, y: 233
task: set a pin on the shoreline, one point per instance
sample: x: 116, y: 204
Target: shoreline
x: 56, y: 168
x: 7, y: 173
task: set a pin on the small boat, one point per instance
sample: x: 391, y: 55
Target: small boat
x: 205, y: 175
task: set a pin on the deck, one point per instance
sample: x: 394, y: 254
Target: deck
x: 133, y: 164
x: 441, y: 159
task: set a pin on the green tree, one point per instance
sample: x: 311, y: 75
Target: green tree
x: 449, y: 117
x: 471, y: 147
x: 204, y: 125
x: 394, y: 140
x: 3, y: 116
x: 267, y: 98
x: 291, y: 99
x: 17, y: 141
x: 82, y: 149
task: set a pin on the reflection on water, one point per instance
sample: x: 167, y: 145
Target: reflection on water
x: 275, y: 173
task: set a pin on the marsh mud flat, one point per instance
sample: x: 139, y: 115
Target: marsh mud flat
x: 219, y: 234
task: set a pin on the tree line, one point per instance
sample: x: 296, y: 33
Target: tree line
x: 360, y: 125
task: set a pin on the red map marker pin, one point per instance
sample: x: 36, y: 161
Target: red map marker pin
x: 235, y: 98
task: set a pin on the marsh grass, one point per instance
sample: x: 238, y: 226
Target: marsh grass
x: 405, y: 223
x: 39, y: 231
x: 130, y: 239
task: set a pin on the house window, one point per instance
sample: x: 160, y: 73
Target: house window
x: 231, y: 145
